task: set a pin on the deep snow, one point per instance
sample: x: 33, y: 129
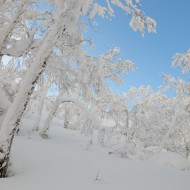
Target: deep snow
x: 63, y: 162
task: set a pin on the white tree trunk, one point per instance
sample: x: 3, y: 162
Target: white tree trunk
x: 163, y: 142
x: 16, y: 110
x: 45, y: 129
x: 40, y: 109
x: 4, y: 106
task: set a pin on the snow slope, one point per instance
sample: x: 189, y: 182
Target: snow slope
x: 63, y: 162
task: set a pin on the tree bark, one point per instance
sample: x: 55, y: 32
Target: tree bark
x: 66, y: 123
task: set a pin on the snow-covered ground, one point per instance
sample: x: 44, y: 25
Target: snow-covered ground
x: 63, y: 162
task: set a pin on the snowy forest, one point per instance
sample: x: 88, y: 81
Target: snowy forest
x: 48, y: 78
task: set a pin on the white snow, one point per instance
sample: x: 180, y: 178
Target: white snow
x: 173, y: 160
x: 63, y: 162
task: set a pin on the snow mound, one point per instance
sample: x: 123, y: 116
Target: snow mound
x: 173, y: 160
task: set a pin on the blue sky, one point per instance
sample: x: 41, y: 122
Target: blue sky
x: 152, y: 53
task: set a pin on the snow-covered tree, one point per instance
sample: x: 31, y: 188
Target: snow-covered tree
x: 182, y: 60
x: 91, y: 76
x: 177, y: 136
x: 27, y: 31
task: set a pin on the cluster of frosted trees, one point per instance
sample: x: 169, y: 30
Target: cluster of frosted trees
x: 41, y: 48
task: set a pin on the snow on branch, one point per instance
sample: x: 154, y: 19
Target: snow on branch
x: 182, y: 60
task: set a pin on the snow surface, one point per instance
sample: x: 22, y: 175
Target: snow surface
x: 173, y: 160
x: 63, y: 162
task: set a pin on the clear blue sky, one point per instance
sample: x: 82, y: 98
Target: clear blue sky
x: 152, y: 53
